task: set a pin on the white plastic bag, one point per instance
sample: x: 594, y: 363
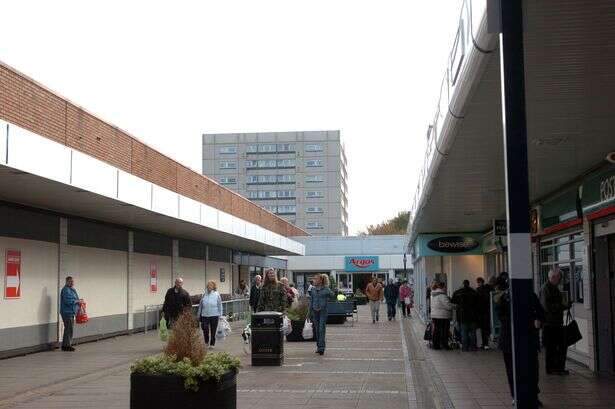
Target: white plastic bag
x: 224, y: 328
x: 308, y: 328
x: 286, y: 327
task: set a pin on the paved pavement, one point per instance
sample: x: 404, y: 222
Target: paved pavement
x: 365, y: 366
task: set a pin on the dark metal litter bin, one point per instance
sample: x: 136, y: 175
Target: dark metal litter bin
x: 267, y: 339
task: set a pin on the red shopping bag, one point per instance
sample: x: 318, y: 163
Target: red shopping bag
x: 82, y: 315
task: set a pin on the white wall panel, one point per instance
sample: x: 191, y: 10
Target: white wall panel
x: 189, y: 210
x: 209, y: 216
x: 96, y: 176
x: 134, y: 190
x: 141, y: 280
x: 3, y: 141
x: 165, y: 201
x: 193, y: 273
x: 225, y: 222
x: 101, y: 277
x: 39, y: 284
x: 250, y: 231
x: 239, y: 226
x: 37, y: 155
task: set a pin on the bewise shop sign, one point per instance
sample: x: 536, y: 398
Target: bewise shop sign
x: 361, y: 263
x: 449, y: 244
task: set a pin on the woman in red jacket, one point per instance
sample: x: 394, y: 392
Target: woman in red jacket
x: 406, y: 296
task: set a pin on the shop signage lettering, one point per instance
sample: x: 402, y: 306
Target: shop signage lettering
x: 607, y: 189
x: 12, y: 275
x: 222, y: 275
x: 362, y: 263
x: 500, y: 228
x: 453, y: 244
x: 153, y: 278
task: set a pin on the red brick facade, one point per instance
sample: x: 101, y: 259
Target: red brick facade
x: 29, y: 105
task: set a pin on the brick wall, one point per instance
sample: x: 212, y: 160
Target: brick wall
x: 29, y: 105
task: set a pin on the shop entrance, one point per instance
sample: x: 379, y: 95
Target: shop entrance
x: 605, y: 302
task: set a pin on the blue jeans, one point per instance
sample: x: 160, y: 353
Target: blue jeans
x: 468, y: 336
x: 319, y: 321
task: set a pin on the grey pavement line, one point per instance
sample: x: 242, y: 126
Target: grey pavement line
x: 348, y: 349
x: 364, y: 342
x: 430, y: 376
x: 407, y: 371
x: 326, y: 372
x: 349, y: 359
x: 332, y: 391
x: 50, y: 389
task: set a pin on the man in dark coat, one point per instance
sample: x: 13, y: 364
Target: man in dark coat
x: 175, y: 301
x: 484, y: 310
x: 391, y: 294
x: 255, y: 292
x: 466, y: 300
x: 553, y: 336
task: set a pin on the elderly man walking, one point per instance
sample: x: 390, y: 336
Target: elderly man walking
x: 553, y: 336
x: 175, y: 301
x: 69, y: 303
x: 255, y: 292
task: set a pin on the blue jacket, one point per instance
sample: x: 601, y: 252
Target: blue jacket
x: 319, y: 296
x: 69, y: 301
x: 210, y: 305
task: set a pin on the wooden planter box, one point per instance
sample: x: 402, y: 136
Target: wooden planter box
x: 165, y: 392
x: 296, y: 335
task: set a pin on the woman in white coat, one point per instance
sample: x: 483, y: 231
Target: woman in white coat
x: 441, y: 314
x: 210, y: 310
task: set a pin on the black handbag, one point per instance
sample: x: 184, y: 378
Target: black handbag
x: 573, y: 334
x: 428, y: 333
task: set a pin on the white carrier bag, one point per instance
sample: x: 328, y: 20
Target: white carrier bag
x: 308, y: 330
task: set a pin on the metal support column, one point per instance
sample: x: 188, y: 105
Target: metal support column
x: 517, y: 200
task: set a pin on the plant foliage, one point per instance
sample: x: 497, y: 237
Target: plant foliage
x: 300, y: 311
x: 395, y: 225
x: 185, y: 339
x: 212, y: 366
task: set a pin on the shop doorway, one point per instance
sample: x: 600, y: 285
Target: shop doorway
x: 605, y: 302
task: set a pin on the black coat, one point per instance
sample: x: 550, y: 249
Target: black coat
x: 255, y: 294
x: 484, y: 298
x: 174, y: 303
x: 466, y: 299
x: 391, y: 293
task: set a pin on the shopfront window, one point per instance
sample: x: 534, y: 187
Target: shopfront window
x: 566, y: 253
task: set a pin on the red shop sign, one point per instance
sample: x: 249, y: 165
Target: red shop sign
x: 12, y: 275
x: 153, y: 278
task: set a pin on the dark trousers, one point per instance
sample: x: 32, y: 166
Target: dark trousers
x: 468, y: 335
x: 319, y: 322
x: 405, y: 308
x: 67, y: 337
x: 485, y: 328
x: 209, y: 324
x: 555, y: 347
x: 391, y: 309
x: 439, y: 333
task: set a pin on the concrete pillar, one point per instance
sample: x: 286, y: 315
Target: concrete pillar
x: 175, y: 262
x: 129, y: 282
x: 62, y: 272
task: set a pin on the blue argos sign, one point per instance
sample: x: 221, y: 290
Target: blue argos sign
x: 361, y: 263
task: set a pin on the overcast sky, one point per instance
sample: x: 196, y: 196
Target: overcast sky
x: 169, y: 71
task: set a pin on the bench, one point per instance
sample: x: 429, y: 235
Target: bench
x: 338, y: 311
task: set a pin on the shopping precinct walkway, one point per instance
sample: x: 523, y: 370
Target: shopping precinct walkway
x: 365, y: 366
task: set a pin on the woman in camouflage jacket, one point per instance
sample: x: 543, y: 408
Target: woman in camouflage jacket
x: 273, y: 295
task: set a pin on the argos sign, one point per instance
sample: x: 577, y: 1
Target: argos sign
x: 361, y: 263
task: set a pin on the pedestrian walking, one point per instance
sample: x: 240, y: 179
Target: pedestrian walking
x: 537, y: 317
x: 288, y: 292
x: 466, y: 302
x: 553, y: 335
x: 272, y: 295
x: 406, y: 296
x: 242, y: 291
x: 255, y: 292
x: 484, y: 310
x: 69, y: 304
x: 391, y: 295
x: 320, y: 295
x: 374, y: 294
x: 175, y: 301
x: 441, y: 314
x: 209, y: 313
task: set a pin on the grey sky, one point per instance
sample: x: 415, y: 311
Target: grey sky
x: 169, y: 71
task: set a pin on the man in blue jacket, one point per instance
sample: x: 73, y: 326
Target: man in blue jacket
x: 69, y: 303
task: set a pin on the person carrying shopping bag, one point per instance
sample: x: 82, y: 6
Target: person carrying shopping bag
x: 320, y: 295
x: 209, y: 313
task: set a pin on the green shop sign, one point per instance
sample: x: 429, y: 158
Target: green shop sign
x: 596, y: 192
